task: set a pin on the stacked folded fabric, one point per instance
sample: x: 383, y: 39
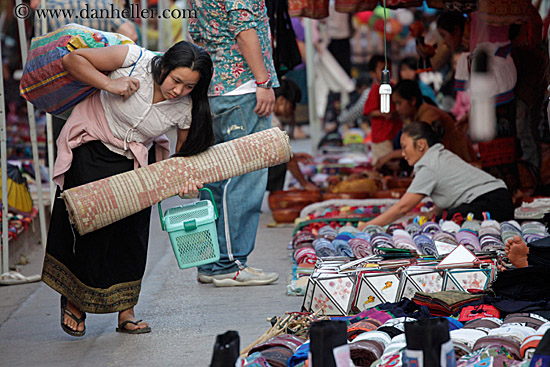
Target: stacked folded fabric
x: 348, y: 229
x: 533, y: 231
x: 509, y: 229
x: 429, y: 239
x: 533, y: 210
x: 360, y: 247
x: 303, y: 239
x: 450, y: 227
x: 304, y: 269
x: 341, y: 245
x: 444, y: 303
x: 472, y: 225
x: 381, y: 240
x: 324, y: 248
x: 328, y: 232
x: 373, y: 229
x: 445, y: 237
x: 403, y: 240
x: 305, y: 255
x: 468, y: 239
x: 429, y: 228
x: 413, y: 228
x: 489, y: 236
x: 393, y: 227
x: 425, y: 245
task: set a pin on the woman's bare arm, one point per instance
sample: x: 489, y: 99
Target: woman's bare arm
x: 398, y: 210
x: 89, y: 64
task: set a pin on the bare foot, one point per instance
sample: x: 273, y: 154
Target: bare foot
x: 129, y: 315
x: 517, y: 252
x: 70, y: 322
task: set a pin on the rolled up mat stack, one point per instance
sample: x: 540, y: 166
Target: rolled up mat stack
x: 100, y: 203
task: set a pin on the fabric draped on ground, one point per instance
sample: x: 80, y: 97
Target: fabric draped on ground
x: 100, y: 203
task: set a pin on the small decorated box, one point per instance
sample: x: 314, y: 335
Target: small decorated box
x: 420, y: 279
x: 467, y: 279
x: 330, y: 293
x: 374, y: 288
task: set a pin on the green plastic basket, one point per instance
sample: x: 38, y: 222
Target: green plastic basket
x: 192, y: 231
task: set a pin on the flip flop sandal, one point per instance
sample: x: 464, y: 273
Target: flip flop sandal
x: 13, y: 277
x: 65, y: 311
x: 122, y: 328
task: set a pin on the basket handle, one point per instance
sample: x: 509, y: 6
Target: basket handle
x: 162, y: 223
x: 212, y: 200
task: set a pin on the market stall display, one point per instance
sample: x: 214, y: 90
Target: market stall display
x: 380, y: 279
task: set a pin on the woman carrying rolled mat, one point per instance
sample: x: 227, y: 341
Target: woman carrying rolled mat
x: 453, y: 184
x: 141, y: 97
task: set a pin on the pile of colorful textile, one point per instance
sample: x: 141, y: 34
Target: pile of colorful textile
x: 17, y: 223
x: 381, y: 336
x: 444, y: 303
x: 429, y: 238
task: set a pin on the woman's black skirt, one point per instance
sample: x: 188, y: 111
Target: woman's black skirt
x: 101, y: 271
x: 498, y: 203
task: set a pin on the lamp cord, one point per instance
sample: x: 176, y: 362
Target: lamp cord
x: 385, y: 53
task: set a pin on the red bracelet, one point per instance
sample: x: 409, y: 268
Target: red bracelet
x: 268, y: 79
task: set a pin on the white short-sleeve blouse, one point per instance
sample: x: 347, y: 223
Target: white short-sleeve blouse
x: 138, y: 119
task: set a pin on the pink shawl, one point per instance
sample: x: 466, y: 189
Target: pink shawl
x: 87, y: 123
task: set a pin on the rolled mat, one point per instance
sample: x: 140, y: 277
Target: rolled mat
x: 100, y: 203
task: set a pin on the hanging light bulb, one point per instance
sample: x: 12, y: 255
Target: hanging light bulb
x: 385, y: 87
x: 385, y: 92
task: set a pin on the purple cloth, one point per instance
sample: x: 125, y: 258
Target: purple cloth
x: 300, y: 33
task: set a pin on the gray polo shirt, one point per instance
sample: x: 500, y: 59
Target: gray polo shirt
x: 449, y: 180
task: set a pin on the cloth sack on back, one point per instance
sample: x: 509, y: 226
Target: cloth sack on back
x: 45, y: 82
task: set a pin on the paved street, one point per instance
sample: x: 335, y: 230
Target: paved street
x: 185, y: 316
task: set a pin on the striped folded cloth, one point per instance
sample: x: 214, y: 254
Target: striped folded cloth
x: 468, y: 239
x: 327, y: 232
x: 425, y: 245
x: 381, y: 240
x: 342, y: 247
x: 324, y: 248
x: 490, y: 242
x: 403, y: 240
x: 413, y: 228
x: 360, y: 247
x: 429, y: 228
x: 509, y: 229
x: 305, y: 255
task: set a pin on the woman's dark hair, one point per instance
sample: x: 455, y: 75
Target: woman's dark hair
x: 411, y: 62
x: 407, y: 89
x: 289, y: 90
x: 449, y: 20
x: 188, y: 55
x: 422, y: 130
x: 377, y: 59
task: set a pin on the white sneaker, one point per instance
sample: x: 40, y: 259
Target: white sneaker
x: 247, y: 276
x: 208, y: 279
